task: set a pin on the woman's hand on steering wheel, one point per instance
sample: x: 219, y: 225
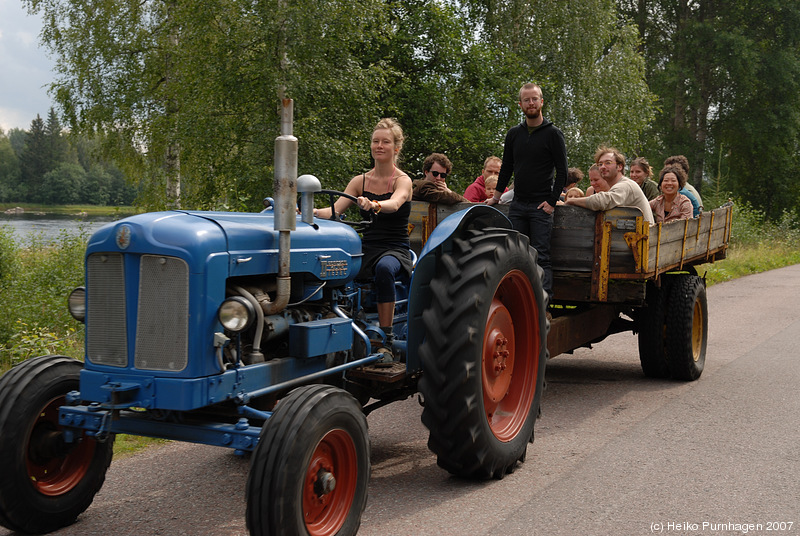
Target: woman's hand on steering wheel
x: 358, y: 226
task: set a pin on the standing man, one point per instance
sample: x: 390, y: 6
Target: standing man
x: 615, y: 189
x: 476, y: 192
x: 535, y: 153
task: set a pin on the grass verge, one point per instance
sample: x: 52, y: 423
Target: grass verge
x: 128, y: 445
x: 748, y: 260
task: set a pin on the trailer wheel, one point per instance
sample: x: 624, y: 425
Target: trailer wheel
x: 687, y: 328
x: 652, y: 331
x: 310, y: 469
x: 484, y: 354
x: 46, y: 482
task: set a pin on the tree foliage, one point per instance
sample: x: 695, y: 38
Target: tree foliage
x: 9, y: 169
x: 45, y: 165
x: 184, y: 94
x: 188, y: 90
x: 728, y: 79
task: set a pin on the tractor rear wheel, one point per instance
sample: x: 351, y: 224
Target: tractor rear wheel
x: 46, y: 481
x: 310, y: 469
x: 687, y: 328
x: 484, y: 353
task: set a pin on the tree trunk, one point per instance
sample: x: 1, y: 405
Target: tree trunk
x: 172, y: 158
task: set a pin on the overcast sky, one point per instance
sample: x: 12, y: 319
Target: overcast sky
x: 25, y: 68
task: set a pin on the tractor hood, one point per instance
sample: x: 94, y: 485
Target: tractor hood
x: 328, y: 249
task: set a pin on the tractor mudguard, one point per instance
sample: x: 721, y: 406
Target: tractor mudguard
x: 454, y: 226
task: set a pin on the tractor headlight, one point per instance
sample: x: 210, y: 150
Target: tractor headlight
x: 236, y: 314
x: 76, y: 303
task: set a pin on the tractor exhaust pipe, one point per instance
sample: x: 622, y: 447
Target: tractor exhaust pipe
x: 285, y: 192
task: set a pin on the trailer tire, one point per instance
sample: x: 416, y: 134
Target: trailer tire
x: 310, y: 469
x: 687, y: 328
x: 46, y: 484
x: 484, y: 353
x: 652, y: 331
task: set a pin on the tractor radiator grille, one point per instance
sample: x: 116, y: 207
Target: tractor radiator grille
x: 106, y: 339
x: 163, y: 317
x: 162, y: 312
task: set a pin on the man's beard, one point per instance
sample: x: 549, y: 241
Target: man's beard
x: 534, y: 115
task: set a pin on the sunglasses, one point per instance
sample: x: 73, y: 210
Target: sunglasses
x: 438, y: 174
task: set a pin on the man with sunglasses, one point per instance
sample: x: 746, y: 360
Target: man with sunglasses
x: 536, y: 155
x: 433, y: 188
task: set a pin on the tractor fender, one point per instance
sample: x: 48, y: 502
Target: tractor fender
x: 457, y: 225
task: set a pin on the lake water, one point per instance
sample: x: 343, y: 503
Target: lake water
x: 49, y: 227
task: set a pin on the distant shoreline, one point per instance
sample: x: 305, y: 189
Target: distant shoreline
x: 70, y: 210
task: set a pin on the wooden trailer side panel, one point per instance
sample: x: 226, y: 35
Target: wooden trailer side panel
x: 678, y: 244
x: 606, y: 257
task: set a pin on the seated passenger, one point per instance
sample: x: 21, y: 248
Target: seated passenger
x: 507, y: 197
x: 688, y: 190
x: 574, y: 176
x: 386, y: 191
x: 620, y: 192
x: 476, y: 192
x: 697, y: 208
x: 641, y: 172
x: 491, y: 185
x: 571, y: 193
x: 594, y: 176
x: 671, y: 205
x: 433, y: 187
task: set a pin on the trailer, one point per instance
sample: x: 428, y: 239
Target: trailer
x: 613, y: 272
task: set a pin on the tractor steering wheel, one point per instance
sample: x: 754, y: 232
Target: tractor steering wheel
x: 359, y: 226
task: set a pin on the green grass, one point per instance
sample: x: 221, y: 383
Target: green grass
x: 748, y: 260
x: 128, y: 445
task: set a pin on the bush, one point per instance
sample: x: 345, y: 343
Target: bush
x: 8, y: 255
x: 751, y: 228
x: 34, y: 285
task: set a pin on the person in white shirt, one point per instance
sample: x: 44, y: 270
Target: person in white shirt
x: 615, y: 189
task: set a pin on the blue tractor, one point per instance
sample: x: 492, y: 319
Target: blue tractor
x: 251, y: 331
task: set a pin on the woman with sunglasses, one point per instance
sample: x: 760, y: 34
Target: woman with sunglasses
x: 385, y: 190
x: 433, y: 188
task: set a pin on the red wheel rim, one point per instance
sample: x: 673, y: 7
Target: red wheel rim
x: 325, y: 509
x: 510, y: 356
x: 55, y: 474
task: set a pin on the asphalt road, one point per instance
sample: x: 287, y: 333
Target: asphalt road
x: 615, y: 453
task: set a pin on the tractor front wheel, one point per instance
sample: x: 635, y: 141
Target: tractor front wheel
x: 311, y: 466
x: 47, y: 482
